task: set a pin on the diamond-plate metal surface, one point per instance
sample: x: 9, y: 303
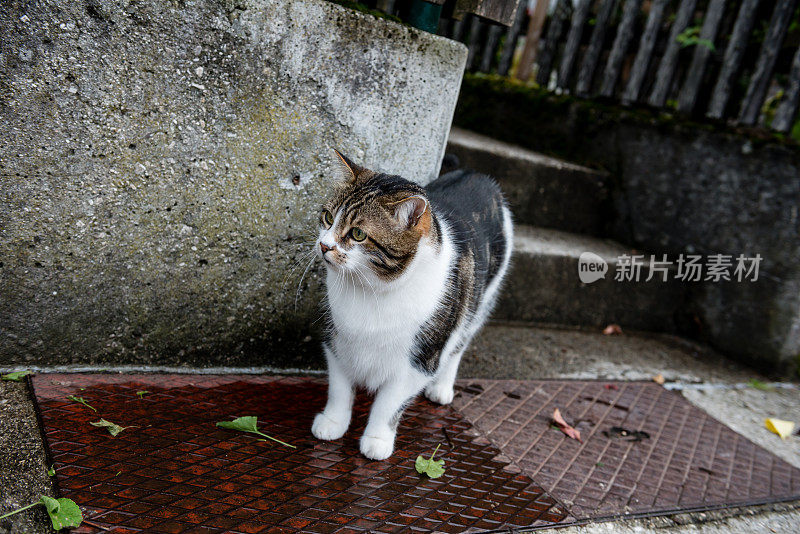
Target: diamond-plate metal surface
x: 645, y: 450
x: 174, y: 471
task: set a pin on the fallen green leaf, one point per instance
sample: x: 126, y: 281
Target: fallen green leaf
x: 64, y: 513
x: 244, y: 424
x: 52, y: 471
x: 432, y: 468
x: 50, y: 503
x: 142, y: 393
x: 80, y: 400
x: 16, y: 376
x: 248, y: 423
x: 113, y: 428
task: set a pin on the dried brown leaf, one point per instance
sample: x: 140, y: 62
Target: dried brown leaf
x: 564, y: 427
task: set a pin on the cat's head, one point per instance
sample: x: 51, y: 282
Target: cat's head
x: 373, y: 224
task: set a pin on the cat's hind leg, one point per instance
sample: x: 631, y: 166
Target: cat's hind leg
x: 334, y: 420
x: 440, y: 390
x: 377, y: 442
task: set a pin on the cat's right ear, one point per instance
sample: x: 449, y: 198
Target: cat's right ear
x: 411, y: 210
x: 346, y: 171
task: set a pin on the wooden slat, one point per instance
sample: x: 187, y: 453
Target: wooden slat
x: 387, y: 6
x: 550, y: 46
x: 786, y: 114
x: 445, y: 27
x: 512, y: 35
x: 759, y: 82
x: 532, y: 38
x: 620, y: 47
x: 646, y: 44
x: 688, y: 95
x: 592, y: 56
x: 734, y: 53
x: 459, y: 29
x: 579, y: 17
x: 474, y: 40
x: 666, y: 69
x: 500, y: 11
x: 490, y: 48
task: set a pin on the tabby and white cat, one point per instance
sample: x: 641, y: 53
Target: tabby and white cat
x: 412, y: 274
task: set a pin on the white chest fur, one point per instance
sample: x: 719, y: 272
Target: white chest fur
x: 376, y: 327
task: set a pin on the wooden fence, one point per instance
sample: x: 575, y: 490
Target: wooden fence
x: 735, y: 60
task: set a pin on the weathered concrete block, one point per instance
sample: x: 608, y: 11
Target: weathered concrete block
x: 161, y: 165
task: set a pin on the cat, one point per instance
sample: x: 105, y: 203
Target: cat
x: 412, y: 274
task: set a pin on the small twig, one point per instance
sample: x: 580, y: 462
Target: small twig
x: 447, y: 437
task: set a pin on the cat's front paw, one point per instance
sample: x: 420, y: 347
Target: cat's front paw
x: 327, y: 429
x: 440, y: 393
x: 377, y: 447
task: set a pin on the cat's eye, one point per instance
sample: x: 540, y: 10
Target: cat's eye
x: 358, y: 234
x: 327, y: 217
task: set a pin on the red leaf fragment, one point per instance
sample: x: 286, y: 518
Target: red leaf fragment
x: 564, y: 427
x: 610, y: 386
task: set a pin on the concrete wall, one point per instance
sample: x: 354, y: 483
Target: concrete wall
x: 707, y: 193
x: 678, y: 188
x: 162, y: 163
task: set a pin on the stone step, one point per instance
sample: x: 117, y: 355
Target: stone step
x: 543, y: 285
x: 542, y: 191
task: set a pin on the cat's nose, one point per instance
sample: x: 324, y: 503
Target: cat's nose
x: 325, y: 248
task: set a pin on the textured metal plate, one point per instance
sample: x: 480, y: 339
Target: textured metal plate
x: 173, y: 471
x: 645, y: 450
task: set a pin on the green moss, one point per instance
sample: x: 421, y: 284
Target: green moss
x: 358, y: 6
x: 559, y: 125
x: 795, y: 133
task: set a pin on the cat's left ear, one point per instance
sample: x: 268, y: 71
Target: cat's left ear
x: 346, y: 170
x: 410, y: 211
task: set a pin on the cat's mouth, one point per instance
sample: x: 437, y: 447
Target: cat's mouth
x: 330, y: 262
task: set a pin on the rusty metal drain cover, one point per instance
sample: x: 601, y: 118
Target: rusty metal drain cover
x: 645, y: 450
x: 174, y: 471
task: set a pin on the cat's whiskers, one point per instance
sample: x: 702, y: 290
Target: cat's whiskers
x: 352, y: 284
x: 299, y: 284
x: 332, y: 289
x: 295, y: 264
x: 357, y: 270
x: 337, y: 286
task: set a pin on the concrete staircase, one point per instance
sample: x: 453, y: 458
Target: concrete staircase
x: 560, y: 212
